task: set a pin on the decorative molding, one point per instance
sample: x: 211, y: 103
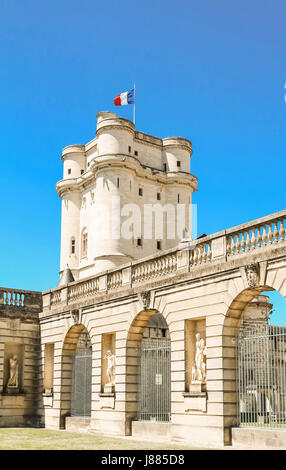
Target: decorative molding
x: 75, y: 314
x: 145, y: 299
x: 252, y: 275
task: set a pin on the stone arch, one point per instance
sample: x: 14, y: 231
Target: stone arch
x: 69, y: 347
x: 274, y: 280
x: 134, y: 338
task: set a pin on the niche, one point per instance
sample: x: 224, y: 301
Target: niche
x: 195, y: 337
x: 13, y: 368
x: 107, y: 359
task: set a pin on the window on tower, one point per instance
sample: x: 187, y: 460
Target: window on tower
x: 72, y: 246
x: 84, y: 243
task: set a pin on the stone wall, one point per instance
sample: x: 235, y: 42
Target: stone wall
x: 19, y: 336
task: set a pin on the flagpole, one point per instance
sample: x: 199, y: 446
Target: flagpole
x: 134, y: 106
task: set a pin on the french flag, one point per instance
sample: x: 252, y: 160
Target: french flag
x: 128, y: 97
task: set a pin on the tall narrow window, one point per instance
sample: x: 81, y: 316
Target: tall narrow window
x: 84, y: 242
x: 158, y: 245
x: 178, y: 197
x: 117, y: 183
x: 165, y: 166
x: 72, y: 246
x: 140, y: 191
x: 158, y: 196
x: 178, y: 164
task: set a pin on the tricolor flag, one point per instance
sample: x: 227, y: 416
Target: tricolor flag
x: 128, y: 97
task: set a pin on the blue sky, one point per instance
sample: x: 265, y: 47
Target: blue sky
x: 211, y: 71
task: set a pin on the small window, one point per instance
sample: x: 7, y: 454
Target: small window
x: 73, y: 246
x: 129, y: 149
x: 88, y: 164
x: 178, y: 197
x: 159, y: 245
x: 69, y: 171
x: 136, y: 153
x: 140, y: 191
x: 117, y: 183
x: 139, y: 241
x: 165, y: 166
x: 81, y: 172
x: 178, y: 164
x: 158, y: 196
x: 84, y: 240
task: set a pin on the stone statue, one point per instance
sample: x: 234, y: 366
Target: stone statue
x: 14, y: 372
x: 199, y: 368
x: 110, y: 371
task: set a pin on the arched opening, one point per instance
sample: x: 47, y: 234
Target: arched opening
x: 259, y: 365
x: 148, y: 372
x: 76, y: 374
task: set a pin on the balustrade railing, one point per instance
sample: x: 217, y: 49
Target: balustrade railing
x: 83, y: 289
x: 20, y: 298
x: 12, y: 297
x: 201, y: 253
x: 258, y: 234
x: 152, y: 269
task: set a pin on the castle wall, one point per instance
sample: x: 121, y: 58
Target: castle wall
x: 19, y: 336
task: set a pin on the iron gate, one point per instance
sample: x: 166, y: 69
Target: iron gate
x: 154, y: 395
x: 81, y: 384
x: 261, y: 376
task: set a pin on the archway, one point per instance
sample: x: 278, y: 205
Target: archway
x: 257, y: 348
x: 76, y: 374
x: 148, y: 390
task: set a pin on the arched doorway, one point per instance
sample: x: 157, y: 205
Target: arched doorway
x: 154, y: 360
x: 148, y: 370
x: 258, y: 347
x: 76, y: 374
x: 81, y: 377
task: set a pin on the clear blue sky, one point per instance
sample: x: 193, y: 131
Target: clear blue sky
x: 209, y: 70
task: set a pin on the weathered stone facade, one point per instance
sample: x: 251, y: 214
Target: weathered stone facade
x: 19, y: 335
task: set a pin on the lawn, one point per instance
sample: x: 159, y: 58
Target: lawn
x: 45, y: 439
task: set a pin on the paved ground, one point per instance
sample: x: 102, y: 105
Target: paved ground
x: 45, y: 439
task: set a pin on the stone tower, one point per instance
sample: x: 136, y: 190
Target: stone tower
x: 109, y: 189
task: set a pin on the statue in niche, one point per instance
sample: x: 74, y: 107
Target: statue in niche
x: 14, y: 372
x: 110, y: 371
x: 199, y: 367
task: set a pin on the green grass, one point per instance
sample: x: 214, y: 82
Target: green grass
x: 45, y: 439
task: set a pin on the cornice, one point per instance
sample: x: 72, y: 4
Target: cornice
x: 128, y: 162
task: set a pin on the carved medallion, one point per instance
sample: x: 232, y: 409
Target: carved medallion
x: 75, y: 316
x: 252, y: 275
x: 146, y: 299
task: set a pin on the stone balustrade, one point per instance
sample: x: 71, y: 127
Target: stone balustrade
x: 222, y: 246
x: 257, y: 234
x: 20, y: 299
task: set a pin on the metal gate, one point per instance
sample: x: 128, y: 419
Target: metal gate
x: 154, y: 400
x: 81, y: 384
x: 261, y: 376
